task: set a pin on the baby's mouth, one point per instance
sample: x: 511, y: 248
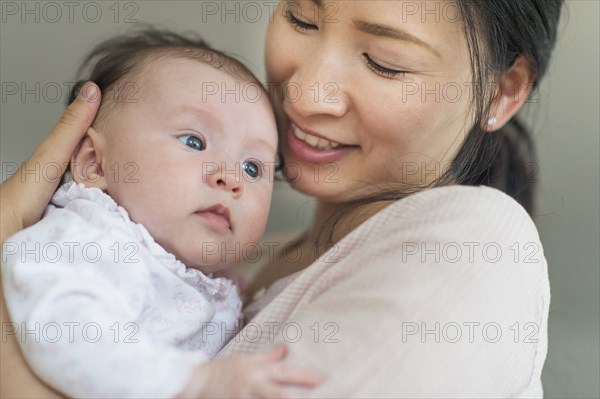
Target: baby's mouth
x: 218, y: 215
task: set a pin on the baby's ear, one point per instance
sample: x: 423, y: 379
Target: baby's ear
x: 86, y: 162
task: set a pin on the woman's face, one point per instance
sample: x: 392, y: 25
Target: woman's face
x: 370, y: 94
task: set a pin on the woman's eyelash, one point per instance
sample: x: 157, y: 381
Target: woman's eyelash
x: 381, y: 70
x: 301, y: 25
x: 387, y: 72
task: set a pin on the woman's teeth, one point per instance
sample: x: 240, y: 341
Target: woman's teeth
x: 314, y: 141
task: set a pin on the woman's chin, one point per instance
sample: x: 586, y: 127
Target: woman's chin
x: 327, y: 192
x: 322, y: 181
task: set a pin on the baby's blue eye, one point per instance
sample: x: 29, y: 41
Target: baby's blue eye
x: 192, y: 141
x: 252, y: 169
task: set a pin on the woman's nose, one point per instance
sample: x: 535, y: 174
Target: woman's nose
x: 226, y: 177
x: 318, y: 88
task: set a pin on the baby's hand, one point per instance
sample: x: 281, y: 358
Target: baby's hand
x: 262, y: 375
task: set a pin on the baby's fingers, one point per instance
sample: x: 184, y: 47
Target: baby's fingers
x: 284, y: 379
x: 274, y: 354
x: 285, y: 374
x: 288, y: 375
x: 275, y: 392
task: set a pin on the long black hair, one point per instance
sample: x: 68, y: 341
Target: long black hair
x: 504, y: 30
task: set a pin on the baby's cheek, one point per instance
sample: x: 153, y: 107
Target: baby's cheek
x: 255, y: 223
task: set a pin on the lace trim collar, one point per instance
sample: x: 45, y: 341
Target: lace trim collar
x: 72, y: 191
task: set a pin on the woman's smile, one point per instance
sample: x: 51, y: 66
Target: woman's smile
x: 311, y: 148
x: 313, y: 140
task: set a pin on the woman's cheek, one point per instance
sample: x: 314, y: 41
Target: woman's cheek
x: 397, y: 128
x: 281, y: 50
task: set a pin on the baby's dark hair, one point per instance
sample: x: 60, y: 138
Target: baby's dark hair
x: 119, y: 57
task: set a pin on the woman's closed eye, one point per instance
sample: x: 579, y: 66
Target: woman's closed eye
x: 192, y: 141
x: 381, y: 70
x: 298, y: 23
x: 301, y: 25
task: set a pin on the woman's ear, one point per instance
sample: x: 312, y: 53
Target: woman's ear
x: 86, y: 162
x: 513, y: 88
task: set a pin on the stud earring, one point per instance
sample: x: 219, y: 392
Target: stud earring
x: 492, y: 121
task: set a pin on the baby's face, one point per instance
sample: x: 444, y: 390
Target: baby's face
x: 192, y: 160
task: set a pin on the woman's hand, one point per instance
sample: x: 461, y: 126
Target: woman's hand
x: 23, y: 201
x: 24, y: 196
x: 261, y: 375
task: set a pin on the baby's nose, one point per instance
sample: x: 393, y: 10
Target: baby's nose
x: 225, y: 176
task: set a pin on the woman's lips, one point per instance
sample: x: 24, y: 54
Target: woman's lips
x: 309, y: 153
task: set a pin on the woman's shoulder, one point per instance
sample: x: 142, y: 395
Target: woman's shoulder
x: 458, y: 210
x: 475, y: 232
x: 459, y: 199
x: 460, y: 259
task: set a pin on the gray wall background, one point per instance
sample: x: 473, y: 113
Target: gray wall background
x: 42, y: 43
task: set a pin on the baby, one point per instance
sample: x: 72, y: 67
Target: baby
x: 114, y: 286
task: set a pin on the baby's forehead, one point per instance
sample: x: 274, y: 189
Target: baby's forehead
x: 159, y: 70
x: 187, y: 88
x: 180, y: 81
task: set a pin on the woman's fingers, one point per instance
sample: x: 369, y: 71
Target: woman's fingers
x: 59, y: 145
x: 28, y: 191
x: 71, y: 127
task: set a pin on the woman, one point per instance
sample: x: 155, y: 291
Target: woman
x: 413, y: 280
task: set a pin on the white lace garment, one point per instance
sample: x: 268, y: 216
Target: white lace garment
x: 101, y: 310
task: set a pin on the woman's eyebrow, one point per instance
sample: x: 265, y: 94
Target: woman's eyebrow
x: 393, y: 33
